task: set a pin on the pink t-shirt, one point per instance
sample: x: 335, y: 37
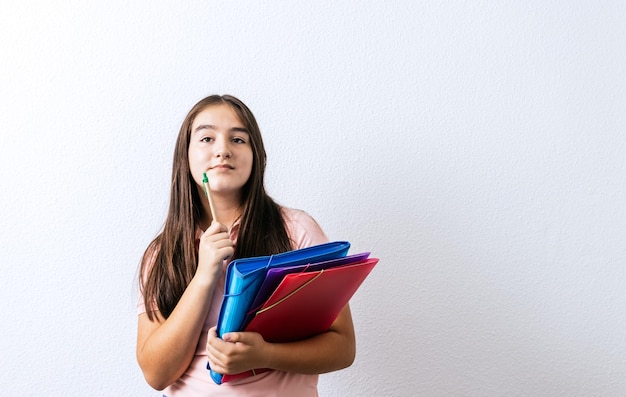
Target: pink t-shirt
x: 304, y: 231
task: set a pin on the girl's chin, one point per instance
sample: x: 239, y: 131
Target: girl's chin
x: 226, y: 190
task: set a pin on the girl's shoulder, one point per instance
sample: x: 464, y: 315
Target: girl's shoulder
x: 303, y: 229
x: 294, y: 214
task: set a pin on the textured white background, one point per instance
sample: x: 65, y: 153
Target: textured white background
x: 477, y: 148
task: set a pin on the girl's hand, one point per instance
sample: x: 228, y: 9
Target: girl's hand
x: 237, y: 352
x: 215, y: 247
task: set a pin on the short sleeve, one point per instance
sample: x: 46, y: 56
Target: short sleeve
x: 303, y: 230
x: 150, y: 257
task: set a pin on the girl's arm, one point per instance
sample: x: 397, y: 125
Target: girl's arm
x: 243, y: 351
x: 165, y: 347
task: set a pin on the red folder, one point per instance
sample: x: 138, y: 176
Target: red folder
x: 306, y: 304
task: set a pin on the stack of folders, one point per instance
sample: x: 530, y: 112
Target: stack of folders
x: 289, y: 296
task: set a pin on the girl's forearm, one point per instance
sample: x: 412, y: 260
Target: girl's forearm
x: 330, y: 351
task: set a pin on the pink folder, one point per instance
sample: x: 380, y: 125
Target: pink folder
x: 306, y: 304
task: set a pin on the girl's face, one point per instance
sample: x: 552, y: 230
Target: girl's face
x: 220, y: 146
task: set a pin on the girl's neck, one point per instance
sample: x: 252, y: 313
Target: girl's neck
x: 227, y: 211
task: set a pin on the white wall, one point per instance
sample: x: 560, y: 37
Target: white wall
x: 476, y: 148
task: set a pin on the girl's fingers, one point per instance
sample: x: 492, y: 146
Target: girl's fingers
x: 215, y: 228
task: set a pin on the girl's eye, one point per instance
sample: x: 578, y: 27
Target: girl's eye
x: 206, y: 139
x: 238, y: 140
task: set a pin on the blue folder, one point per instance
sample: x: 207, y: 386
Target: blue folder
x: 244, y: 278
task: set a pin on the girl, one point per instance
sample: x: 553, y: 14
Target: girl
x: 182, y: 270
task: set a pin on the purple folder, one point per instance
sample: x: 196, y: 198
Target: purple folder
x: 275, y: 275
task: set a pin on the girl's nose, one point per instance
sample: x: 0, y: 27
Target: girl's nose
x: 223, y: 154
x: 222, y: 150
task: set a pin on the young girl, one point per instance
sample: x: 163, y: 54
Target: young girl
x: 182, y: 270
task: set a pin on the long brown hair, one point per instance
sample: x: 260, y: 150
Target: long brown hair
x: 170, y: 261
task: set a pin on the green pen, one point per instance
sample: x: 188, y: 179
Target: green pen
x: 207, y: 191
